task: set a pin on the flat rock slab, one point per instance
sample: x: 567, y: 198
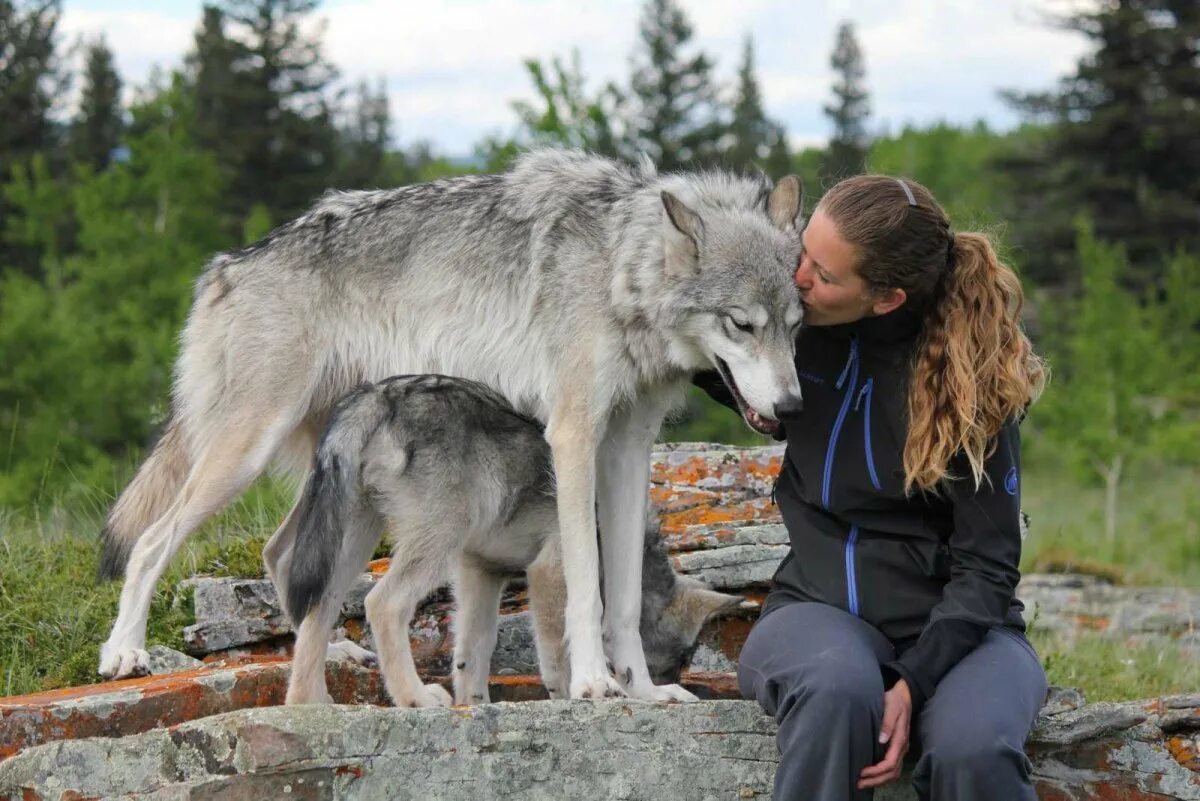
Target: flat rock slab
x: 553, y: 750
x: 133, y: 706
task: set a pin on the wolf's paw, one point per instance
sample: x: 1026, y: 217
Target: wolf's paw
x: 663, y: 692
x: 350, y: 651
x: 123, y: 662
x: 296, y: 696
x: 429, y: 695
x: 596, y: 688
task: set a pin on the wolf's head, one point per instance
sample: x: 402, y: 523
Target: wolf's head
x: 731, y: 268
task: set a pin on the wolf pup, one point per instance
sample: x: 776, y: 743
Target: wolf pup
x: 463, y: 485
x: 584, y: 291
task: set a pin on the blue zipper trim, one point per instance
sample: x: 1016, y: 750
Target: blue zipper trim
x: 851, y: 575
x: 852, y: 368
x: 865, y: 394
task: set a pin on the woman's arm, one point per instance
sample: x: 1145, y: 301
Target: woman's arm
x: 711, y: 382
x: 985, y: 554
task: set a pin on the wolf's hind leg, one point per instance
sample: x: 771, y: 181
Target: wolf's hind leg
x: 363, y: 527
x: 476, y: 616
x: 277, y: 560
x: 420, y: 564
x: 220, y: 474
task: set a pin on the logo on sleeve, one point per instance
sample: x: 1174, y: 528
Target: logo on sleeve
x: 1010, y: 481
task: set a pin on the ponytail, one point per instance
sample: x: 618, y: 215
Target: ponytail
x: 974, y: 369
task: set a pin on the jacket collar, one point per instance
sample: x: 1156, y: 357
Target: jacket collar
x: 901, y: 325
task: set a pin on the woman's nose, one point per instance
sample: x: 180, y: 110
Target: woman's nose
x: 803, y: 277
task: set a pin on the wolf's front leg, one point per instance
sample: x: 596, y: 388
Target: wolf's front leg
x: 622, y: 483
x: 572, y: 434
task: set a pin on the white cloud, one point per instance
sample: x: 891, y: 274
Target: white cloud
x: 453, y: 66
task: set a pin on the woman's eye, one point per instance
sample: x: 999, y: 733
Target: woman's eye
x: 824, y: 280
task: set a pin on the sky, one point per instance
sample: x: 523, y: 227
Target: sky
x: 453, y: 67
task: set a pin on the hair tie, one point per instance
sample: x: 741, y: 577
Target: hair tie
x: 912, y: 201
x: 950, y: 251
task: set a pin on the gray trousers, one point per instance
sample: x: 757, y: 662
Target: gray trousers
x: 815, y: 668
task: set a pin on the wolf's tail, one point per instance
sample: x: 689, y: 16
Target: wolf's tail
x: 146, y: 499
x: 330, y: 499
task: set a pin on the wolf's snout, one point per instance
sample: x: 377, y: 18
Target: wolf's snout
x: 793, y: 404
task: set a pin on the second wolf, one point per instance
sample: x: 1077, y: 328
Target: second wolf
x: 464, y: 487
x: 585, y: 292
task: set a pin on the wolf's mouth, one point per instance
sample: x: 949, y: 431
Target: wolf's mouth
x: 759, y: 422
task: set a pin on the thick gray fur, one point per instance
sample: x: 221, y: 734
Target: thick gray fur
x: 464, y: 487
x: 583, y: 291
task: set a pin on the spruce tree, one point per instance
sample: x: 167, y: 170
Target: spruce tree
x: 96, y: 129
x: 30, y: 79
x: 850, y: 108
x: 1122, y: 143
x: 751, y: 133
x: 676, y: 118
x: 260, y: 84
x: 364, y: 138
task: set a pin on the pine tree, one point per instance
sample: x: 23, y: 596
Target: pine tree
x: 261, y: 85
x: 850, y: 108
x: 212, y: 73
x: 750, y: 130
x: 363, y: 141
x: 677, y: 117
x: 29, y: 76
x: 96, y: 129
x: 30, y: 80
x: 1122, y: 143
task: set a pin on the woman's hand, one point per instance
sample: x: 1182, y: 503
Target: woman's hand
x: 897, y: 713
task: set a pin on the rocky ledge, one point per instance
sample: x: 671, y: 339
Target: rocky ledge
x: 559, y: 750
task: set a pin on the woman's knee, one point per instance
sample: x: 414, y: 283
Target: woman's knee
x: 973, y: 751
x: 828, y: 682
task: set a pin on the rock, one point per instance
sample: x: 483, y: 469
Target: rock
x: 168, y: 660
x: 549, y: 750
x: 1062, y: 699
x: 552, y: 750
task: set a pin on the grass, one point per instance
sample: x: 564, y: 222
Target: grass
x: 1110, y: 670
x: 54, y: 616
x: 1158, y: 526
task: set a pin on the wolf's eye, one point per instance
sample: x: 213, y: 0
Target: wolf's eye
x: 743, y: 327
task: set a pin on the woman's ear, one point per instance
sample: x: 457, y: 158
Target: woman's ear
x: 889, y: 301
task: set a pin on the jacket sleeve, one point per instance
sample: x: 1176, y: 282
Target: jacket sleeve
x: 714, y: 386
x: 985, y: 554
x: 711, y: 382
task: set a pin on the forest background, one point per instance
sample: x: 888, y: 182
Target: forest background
x: 109, y: 211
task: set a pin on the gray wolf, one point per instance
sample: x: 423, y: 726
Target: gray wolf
x: 584, y: 291
x: 464, y: 486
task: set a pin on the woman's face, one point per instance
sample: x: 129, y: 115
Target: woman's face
x: 830, y: 288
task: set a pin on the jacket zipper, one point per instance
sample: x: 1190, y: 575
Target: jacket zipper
x: 865, y: 396
x: 851, y: 573
x: 851, y: 369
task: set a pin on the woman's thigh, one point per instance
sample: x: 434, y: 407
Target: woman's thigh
x: 811, y: 645
x: 991, y: 697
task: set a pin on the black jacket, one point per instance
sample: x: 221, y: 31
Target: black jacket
x: 933, y: 573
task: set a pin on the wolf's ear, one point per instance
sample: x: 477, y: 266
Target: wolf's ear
x: 682, y: 232
x: 786, y: 204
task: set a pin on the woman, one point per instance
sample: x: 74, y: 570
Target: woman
x: 892, y: 620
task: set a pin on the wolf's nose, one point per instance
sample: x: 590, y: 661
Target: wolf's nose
x: 787, y: 406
